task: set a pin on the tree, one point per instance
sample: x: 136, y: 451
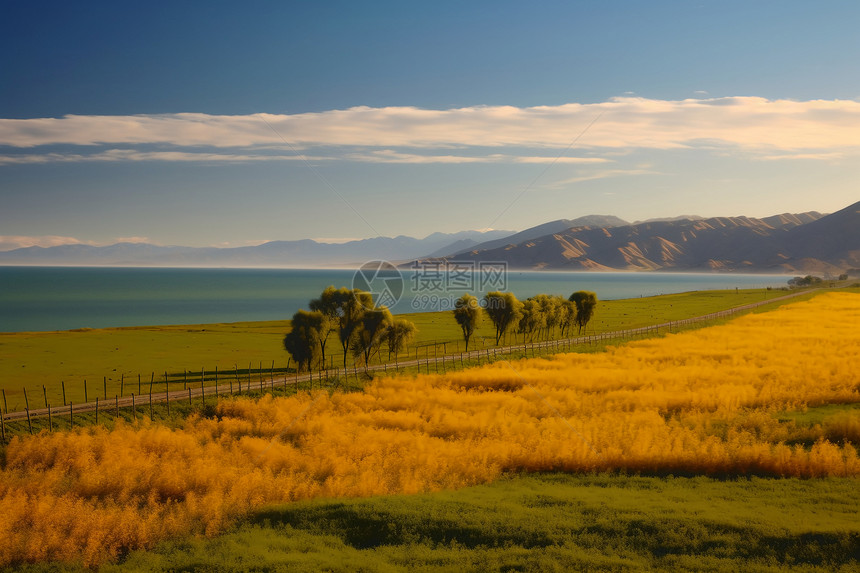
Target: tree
x: 549, y: 313
x: 567, y: 316
x: 328, y: 304
x: 345, y: 308
x: 370, y: 332
x: 467, y: 313
x: 399, y: 333
x: 303, y: 339
x: 503, y: 310
x: 585, y: 302
x: 808, y: 280
x: 531, y: 319
x: 556, y: 313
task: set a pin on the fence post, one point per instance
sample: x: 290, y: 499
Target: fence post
x: 26, y: 401
x: 122, y: 384
x: 104, y: 379
x: 45, y: 393
x: 5, y: 406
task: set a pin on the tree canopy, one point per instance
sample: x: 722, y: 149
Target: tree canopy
x: 399, y: 333
x: 345, y: 308
x: 504, y: 310
x: 467, y: 313
x: 585, y: 302
x: 303, y: 340
x: 370, y: 333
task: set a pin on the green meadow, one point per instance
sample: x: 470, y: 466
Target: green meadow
x: 114, y: 361
x: 549, y: 522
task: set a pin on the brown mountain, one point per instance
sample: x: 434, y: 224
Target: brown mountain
x: 806, y: 242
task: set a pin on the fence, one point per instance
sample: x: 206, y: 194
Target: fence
x: 245, y: 381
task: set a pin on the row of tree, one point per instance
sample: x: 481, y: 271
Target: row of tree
x: 360, y: 328
x: 539, y: 316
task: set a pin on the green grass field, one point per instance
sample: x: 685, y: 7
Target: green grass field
x: 552, y: 522
x: 120, y: 357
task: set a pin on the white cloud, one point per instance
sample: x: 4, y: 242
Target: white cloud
x: 747, y: 123
x: 11, y: 242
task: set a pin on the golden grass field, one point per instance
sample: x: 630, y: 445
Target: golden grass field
x: 702, y: 402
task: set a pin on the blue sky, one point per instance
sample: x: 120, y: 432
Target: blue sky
x: 219, y: 124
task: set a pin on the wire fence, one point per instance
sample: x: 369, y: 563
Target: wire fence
x: 208, y: 385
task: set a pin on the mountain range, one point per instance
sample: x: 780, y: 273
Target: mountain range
x: 305, y: 253
x: 788, y: 243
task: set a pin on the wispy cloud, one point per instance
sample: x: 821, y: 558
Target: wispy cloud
x: 133, y: 240
x: 134, y: 155
x: 826, y: 156
x: 392, y: 156
x: 336, y: 240
x: 607, y: 173
x: 12, y: 242
x: 414, y: 135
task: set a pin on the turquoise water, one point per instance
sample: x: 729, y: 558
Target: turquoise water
x: 64, y: 298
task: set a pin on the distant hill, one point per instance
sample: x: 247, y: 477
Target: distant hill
x: 302, y: 253
x: 805, y: 242
x: 544, y: 229
x: 790, y: 243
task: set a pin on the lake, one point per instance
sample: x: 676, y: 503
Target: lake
x: 64, y: 298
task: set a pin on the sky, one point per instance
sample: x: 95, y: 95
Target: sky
x: 228, y: 124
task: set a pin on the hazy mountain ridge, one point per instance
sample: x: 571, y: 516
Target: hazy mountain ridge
x: 804, y: 242
x: 304, y: 252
